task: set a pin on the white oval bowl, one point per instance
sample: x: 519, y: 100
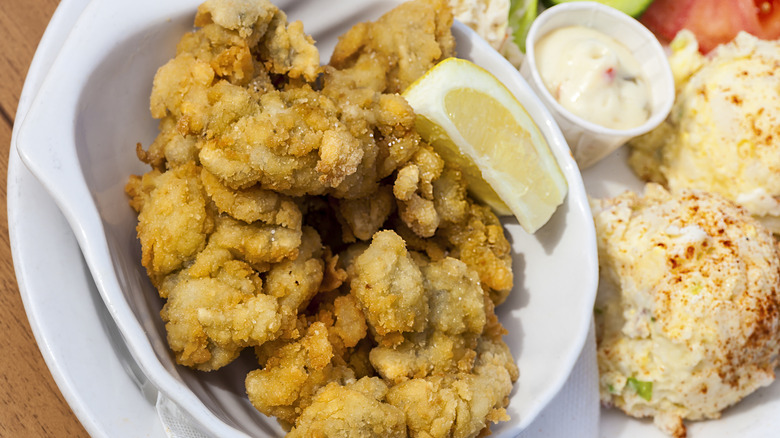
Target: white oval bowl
x: 78, y: 139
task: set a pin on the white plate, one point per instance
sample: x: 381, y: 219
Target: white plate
x: 78, y: 139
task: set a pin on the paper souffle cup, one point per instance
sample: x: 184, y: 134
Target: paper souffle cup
x: 589, y: 141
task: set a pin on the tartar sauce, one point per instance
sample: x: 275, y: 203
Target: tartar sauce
x: 593, y: 76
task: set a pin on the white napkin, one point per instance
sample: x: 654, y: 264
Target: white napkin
x: 574, y: 412
x: 177, y: 423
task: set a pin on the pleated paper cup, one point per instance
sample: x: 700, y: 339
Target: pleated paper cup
x: 589, y: 141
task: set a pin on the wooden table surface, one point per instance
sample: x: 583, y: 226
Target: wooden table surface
x: 31, y: 405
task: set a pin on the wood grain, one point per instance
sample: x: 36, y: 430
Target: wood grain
x: 31, y: 405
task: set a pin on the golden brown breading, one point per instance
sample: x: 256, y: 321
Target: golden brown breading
x: 274, y: 141
x: 345, y: 321
x: 449, y: 195
x: 309, y: 361
x: 422, y: 354
x: 295, y: 281
x: 464, y: 383
x: 456, y: 317
x: 284, y: 48
x: 334, y: 275
x: 399, y: 47
x: 252, y: 204
x: 479, y: 242
x: 389, y: 286
x: 363, y: 217
x: 217, y: 99
x: 219, y: 304
x: 173, y: 221
x: 293, y: 374
x: 395, y: 135
x: 455, y: 297
x: 456, y: 405
x: 170, y: 148
x: 457, y: 363
x: 353, y: 410
x: 350, y: 325
x: 420, y: 215
x: 215, y: 309
x: 413, y: 188
x: 256, y: 243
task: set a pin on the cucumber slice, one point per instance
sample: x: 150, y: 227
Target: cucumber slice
x: 633, y: 8
x: 521, y: 14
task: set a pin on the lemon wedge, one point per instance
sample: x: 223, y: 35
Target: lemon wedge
x: 473, y: 120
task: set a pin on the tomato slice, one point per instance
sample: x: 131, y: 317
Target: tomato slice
x: 767, y: 14
x: 713, y: 21
x: 666, y: 17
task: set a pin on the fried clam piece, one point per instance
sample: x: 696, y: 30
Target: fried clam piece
x: 387, y: 120
x: 374, y: 61
x: 450, y: 198
x: 346, y: 323
x: 293, y: 282
x: 413, y: 188
x: 294, y: 370
x: 170, y: 148
x: 467, y: 231
x: 361, y: 218
x: 479, y: 241
x: 252, y: 204
x: 356, y: 409
x: 299, y: 141
x: 275, y: 140
x: 458, y: 404
x: 388, y: 285
x: 257, y: 243
x: 392, y: 52
x: 215, y: 308
x: 456, y: 318
x: 284, y: 48
x: 293, y: 373
x: 465, y: 386
x: 174, y: 220
x: 456, y: 363
x: 219, y: 305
